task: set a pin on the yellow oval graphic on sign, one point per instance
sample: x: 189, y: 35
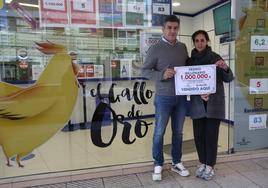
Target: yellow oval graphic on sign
x: 1, y: 4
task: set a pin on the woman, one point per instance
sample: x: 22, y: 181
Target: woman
x: 208, y: 110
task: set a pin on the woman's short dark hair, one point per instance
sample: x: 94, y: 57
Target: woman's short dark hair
x: 202, y: 32
x: 171, y: 18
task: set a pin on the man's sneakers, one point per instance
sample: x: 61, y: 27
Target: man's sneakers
x: 157, y: 175
x: 205, y: 172
x: 180, y: 169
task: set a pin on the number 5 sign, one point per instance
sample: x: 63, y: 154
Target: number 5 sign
x: 258, y: 86
x: 259, y: 43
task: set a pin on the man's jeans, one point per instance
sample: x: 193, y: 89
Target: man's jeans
x: 165, y: 107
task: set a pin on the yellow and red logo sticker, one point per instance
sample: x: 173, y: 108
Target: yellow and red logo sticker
x: 1, y: 4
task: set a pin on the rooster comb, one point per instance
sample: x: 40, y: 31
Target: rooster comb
x: 50, y: 48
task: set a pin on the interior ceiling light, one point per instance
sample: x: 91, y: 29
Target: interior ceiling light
x: 24, y: 4
x: 29, y: 5
x: 176, y: 4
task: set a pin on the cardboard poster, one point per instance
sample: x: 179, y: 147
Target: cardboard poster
x: 195, y: 80
x: 83, y: 12
x: 53, y: 13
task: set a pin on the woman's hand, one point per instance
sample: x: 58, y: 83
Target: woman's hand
x: 205, y: 97
x: 221, y: 64
x: 169, y: 73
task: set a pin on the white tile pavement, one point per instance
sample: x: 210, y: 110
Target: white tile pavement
x: 245, y: 171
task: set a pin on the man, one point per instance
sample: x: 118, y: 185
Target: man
x: 159, y: 66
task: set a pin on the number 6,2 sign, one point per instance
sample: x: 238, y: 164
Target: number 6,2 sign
x: 259, y: 43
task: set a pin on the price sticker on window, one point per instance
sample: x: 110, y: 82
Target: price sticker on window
x: 257, y: 121
x: 161, y: 8
x: 259, y: 43
x: 136, y: 7
x: 258, y: 86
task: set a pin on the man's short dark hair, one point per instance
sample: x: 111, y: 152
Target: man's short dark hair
x: 171, y: 18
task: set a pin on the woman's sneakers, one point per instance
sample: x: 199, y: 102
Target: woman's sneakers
x: 157, y: 175
x: 205, y: 172
x: 180, y: 169
x: 199, y: 172
x: 208, y: 173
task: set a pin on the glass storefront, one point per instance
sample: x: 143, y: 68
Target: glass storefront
x: 251, y: 89
x: 52, y: 122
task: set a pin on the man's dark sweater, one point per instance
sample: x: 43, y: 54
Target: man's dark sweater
x: 159, y: 57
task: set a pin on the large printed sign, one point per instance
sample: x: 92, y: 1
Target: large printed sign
x: 53, y: 12
x: 195, y: 80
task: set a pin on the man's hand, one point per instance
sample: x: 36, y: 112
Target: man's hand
x: 169, y: 73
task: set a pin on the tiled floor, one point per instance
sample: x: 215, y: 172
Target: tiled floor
x: 75, y: 150
x: 251, y: 173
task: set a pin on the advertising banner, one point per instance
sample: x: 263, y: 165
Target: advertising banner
x: 83, y: 12
x: 195, y: 80
x: 53, y: 13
